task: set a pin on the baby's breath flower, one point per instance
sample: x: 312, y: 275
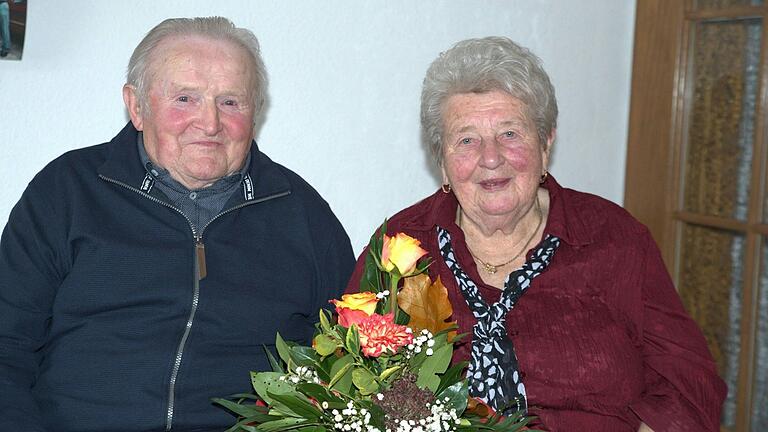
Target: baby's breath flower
x: 423, y: 342
x: 353, y: 418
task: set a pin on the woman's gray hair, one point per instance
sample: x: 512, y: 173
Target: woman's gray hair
x: 140, y: 71
x: 484, y: 65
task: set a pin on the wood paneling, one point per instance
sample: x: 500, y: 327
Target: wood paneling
x: 650, y: 182
x: 672, y: 124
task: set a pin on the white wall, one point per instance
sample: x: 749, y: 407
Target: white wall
x: 345, y: 78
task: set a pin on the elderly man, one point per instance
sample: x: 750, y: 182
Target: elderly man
x: 143, y: 276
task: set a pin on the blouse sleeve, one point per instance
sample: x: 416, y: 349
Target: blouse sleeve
x: 353, y: 285
x: 683, y: 389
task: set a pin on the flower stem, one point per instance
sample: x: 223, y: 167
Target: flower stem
x: 394, y: 279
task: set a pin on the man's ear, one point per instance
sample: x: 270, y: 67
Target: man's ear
x: 133, y: 106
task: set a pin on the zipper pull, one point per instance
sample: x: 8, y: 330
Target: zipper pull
x: 200, y: 250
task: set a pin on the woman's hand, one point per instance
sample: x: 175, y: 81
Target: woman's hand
x: 644, y: 428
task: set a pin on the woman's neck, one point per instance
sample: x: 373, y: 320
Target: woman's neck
x: 496, y: 250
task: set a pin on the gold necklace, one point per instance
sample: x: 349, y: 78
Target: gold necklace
x: 493, y: 268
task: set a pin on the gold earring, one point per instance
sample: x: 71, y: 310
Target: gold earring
x: 543, y: 177
x: 446, y: 188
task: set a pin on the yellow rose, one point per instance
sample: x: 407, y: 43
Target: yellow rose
x: 364, y: 301
x: 401, y: 251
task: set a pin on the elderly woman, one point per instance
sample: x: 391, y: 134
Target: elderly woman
x: 572, y: 314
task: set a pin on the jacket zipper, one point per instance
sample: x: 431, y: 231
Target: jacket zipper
x: 200, y: 272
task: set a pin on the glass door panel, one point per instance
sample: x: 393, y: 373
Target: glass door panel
x: 718, y: 4
x: 760, y: 393
x: 710, y: 285
x: 718, y: 154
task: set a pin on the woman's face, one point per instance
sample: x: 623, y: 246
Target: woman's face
x: 492, y: 156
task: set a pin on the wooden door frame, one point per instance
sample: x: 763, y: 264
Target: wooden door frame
x: 649, y: 188
x: 656, y: 139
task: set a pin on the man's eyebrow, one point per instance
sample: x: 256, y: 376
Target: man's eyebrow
x: 171, y: 87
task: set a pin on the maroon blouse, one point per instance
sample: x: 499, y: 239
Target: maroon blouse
x: 601, y: 336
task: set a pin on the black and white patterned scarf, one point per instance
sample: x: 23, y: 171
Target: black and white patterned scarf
x: 493, y: 373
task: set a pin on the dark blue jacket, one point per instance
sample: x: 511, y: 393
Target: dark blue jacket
x: 103, y: 323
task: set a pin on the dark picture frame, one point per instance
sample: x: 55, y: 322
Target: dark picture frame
x: 13, y: 25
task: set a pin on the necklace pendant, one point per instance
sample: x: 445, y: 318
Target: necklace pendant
x: 490, y: 268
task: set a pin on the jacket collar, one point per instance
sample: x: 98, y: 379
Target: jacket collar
x: 264, y: 178
x: 576, y: 228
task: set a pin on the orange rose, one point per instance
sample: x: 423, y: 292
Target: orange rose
x: 347, y: 317
x: 402, y: 252
x: 379, y: 334
x: 364, y: 301
x: 354, y: 307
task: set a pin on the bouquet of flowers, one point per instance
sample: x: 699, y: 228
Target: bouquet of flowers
x: 383, y: 365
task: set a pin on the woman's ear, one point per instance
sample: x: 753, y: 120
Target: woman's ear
x: 546, y: 151
x: 443, y: 174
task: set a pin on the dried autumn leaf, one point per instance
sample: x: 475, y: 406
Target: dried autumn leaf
x: 478, y: 408
x: 427, y: 304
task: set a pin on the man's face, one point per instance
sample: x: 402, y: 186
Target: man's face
x: 199, y: 124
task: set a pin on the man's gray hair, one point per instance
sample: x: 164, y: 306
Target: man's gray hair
x: 140, y: 71
x: 480, y: 66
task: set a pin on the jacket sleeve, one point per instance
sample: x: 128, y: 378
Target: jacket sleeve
x: 29, y: 277
x: 336, y: 259
x: 683, y: 389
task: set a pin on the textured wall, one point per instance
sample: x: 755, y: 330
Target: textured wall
x: 345, y: 84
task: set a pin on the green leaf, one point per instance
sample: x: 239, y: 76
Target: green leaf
x: 244, y: 396
x: 276, y: 367
x: 324, y: 345
x: 352, y: 342
x: 371, y: 278
x: 422, y: 265
x: 325, y: 321
x: 313, y: 428
x: 246, y: 424
x: 453, y: 375
x: 282, y: 424
x: 265, y: 383
x: 299, y: 404
x: 240, y: 410
x: 324, y: 368
x: 283, y: 350
x: 318, y: 392
x: 304, y: 356
x: 388, y: 372
x: 364, y: 380
x: 457, y: 395
x: 341, y: 377
x: 441, y: 338
x: 433, y: 365
x: 370, y: 281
